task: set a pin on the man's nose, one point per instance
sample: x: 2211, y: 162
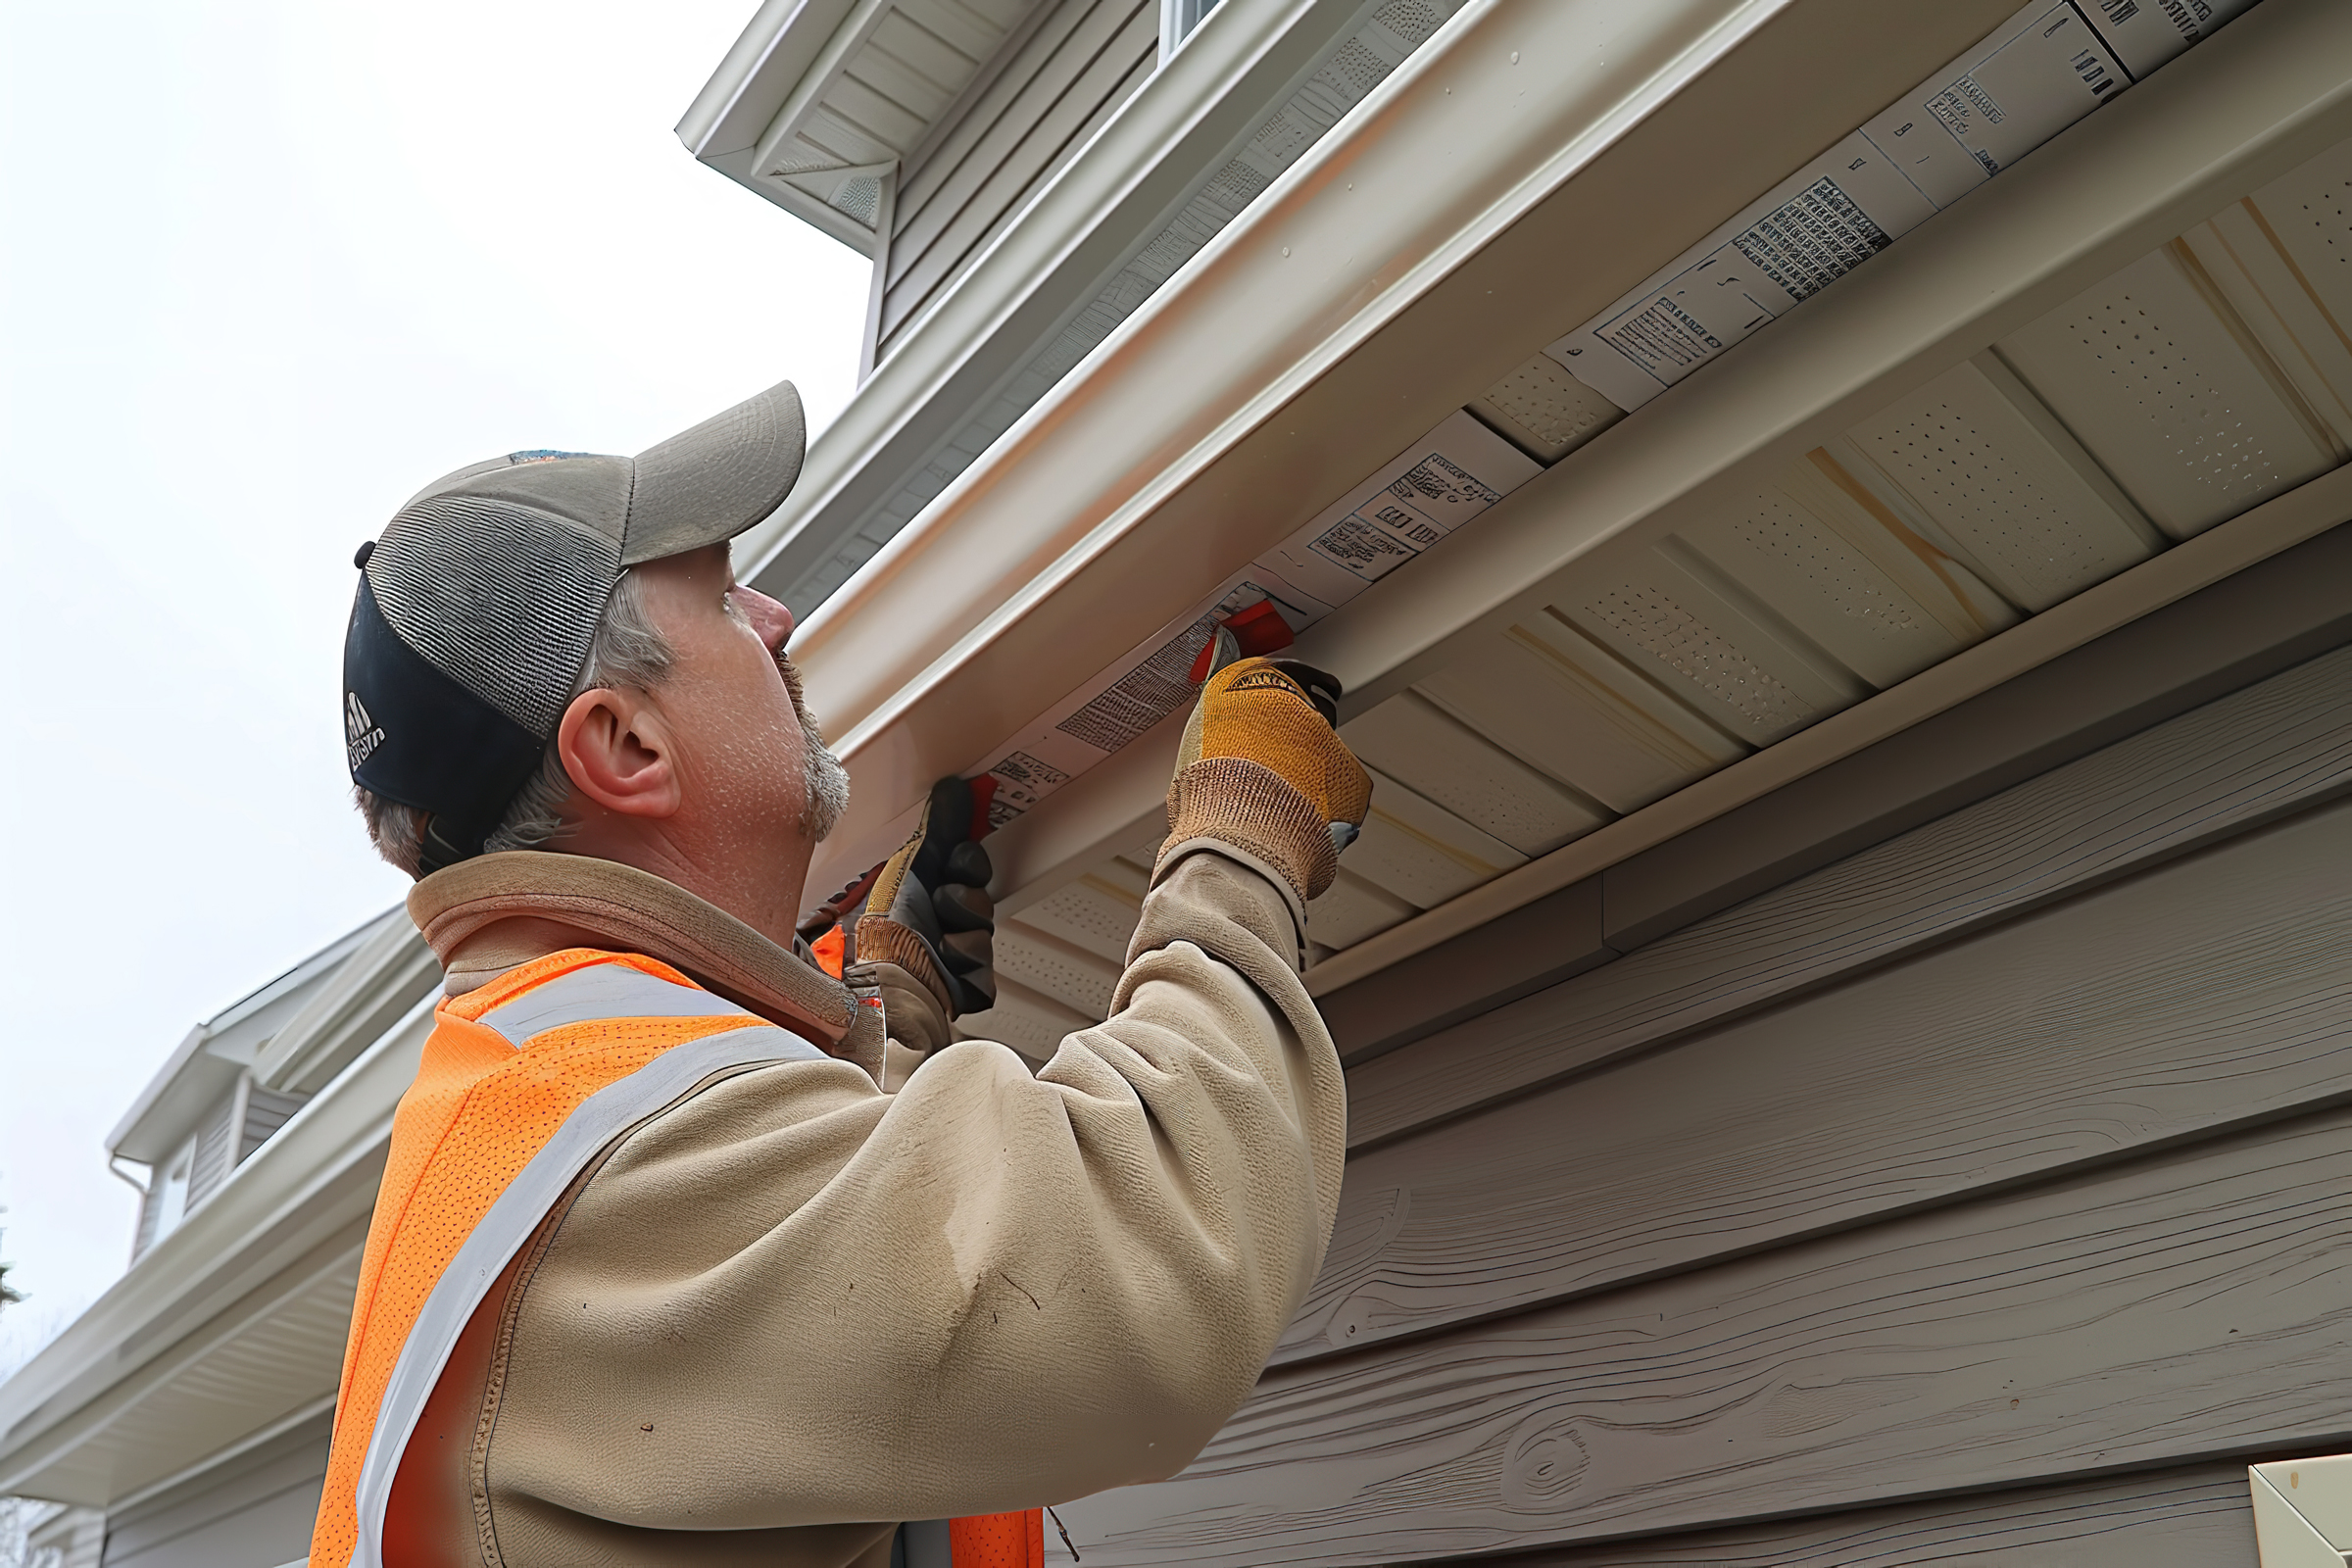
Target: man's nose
x: 770, y: 619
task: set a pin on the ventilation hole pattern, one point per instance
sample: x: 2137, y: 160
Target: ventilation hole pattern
x: 1493, y: 797
x: 1778, y: 530
x: 860, y: 198
x: 1081, y: 914
x: 1667, y: 632
x: 1999, y: 510
x: 1554, y: 406
x: 1355, y: 70
x: 2192, y: 416
x: 2330, y: 213
x: 1041, y: 968
x: 1410, y: 20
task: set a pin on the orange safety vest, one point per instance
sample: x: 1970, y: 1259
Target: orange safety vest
x: 524, y: 1083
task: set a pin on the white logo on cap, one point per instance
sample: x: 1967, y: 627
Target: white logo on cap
x: 359, y: 732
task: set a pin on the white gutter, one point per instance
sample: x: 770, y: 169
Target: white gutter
x: 1350, y: 302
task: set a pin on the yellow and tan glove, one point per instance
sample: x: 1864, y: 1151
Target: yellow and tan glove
x: 929, y: 912
x: 1262, y: 771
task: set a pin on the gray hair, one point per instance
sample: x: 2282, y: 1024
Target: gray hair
x: 629, y: 652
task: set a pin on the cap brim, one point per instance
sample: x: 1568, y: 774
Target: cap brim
x: 714, y: 481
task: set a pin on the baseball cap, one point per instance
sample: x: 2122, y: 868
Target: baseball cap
x: 477, y: 607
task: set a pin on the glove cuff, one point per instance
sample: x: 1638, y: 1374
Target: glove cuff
x: 1255, y: 810
x: 882, y: 940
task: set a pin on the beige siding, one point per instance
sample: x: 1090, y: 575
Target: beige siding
x: 2000, y: 1157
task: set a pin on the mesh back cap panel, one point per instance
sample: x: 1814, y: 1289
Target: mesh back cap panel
x: 500, y: 598
x: 588, y: 489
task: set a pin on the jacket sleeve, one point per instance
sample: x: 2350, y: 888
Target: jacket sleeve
x: 792, y: 1300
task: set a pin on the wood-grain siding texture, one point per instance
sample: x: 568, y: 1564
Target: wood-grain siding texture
x: 2168, y: 1308
x: 2192, y: 1517
x: 2215, y: 990
x: 1888, y: 1217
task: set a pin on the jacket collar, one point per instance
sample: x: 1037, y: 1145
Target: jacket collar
x: 485, y: 915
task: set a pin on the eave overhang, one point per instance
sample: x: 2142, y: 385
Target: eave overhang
x: 233, y: 1321
x: 1531, y: 163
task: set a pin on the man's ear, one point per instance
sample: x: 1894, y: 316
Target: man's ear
x: 616, y: 748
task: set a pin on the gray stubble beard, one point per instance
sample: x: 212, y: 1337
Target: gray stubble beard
x: 824, y: 780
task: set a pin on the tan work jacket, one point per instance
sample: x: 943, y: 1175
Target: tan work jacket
x: 657, y: 1278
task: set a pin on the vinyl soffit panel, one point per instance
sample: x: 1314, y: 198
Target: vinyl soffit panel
x: 1969, y: 464
x: 2147, y: 373
x: 1545, y: 693
x: 1417, y: 743
x: 1830, y: 589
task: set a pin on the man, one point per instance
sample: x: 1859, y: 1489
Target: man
x: 678, y: 1259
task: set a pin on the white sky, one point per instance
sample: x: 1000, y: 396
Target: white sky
x: 268, y: 269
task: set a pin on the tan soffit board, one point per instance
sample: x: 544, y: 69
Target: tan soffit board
x: 2137, y: 364
x: 1420, y: 746
x: 2011, y: 497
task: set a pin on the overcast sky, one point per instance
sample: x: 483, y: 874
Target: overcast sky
x: 268, y: 269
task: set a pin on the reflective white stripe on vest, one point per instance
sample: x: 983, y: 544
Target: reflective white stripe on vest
x: 600, y: 1118
x: 604, y: 991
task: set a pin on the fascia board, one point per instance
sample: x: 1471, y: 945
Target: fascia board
x: 759, y: 72
x: 1258, y: 383
x: 138, y: 1119
x: 1088, y: 222
x: 307, y: 1182
x: 305, y: 973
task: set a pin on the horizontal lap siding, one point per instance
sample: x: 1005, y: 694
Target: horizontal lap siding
x: 2008, y: 1154
x: 2188, y: 1518
x: 2161, y: 1311
x: 2212, y: 991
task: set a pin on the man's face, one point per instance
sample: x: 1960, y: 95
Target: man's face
x: 743, y: 751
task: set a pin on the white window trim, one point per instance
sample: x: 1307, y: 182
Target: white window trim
x: 1177, y: 20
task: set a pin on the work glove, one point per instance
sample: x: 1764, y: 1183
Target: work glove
x: 929, y: 912
x: 1262, y: 770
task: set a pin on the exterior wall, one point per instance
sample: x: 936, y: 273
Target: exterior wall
x: 1058, y: 79
x: 66, y: 1538
x: 1975, y: 1192
x: 253, y: 1510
